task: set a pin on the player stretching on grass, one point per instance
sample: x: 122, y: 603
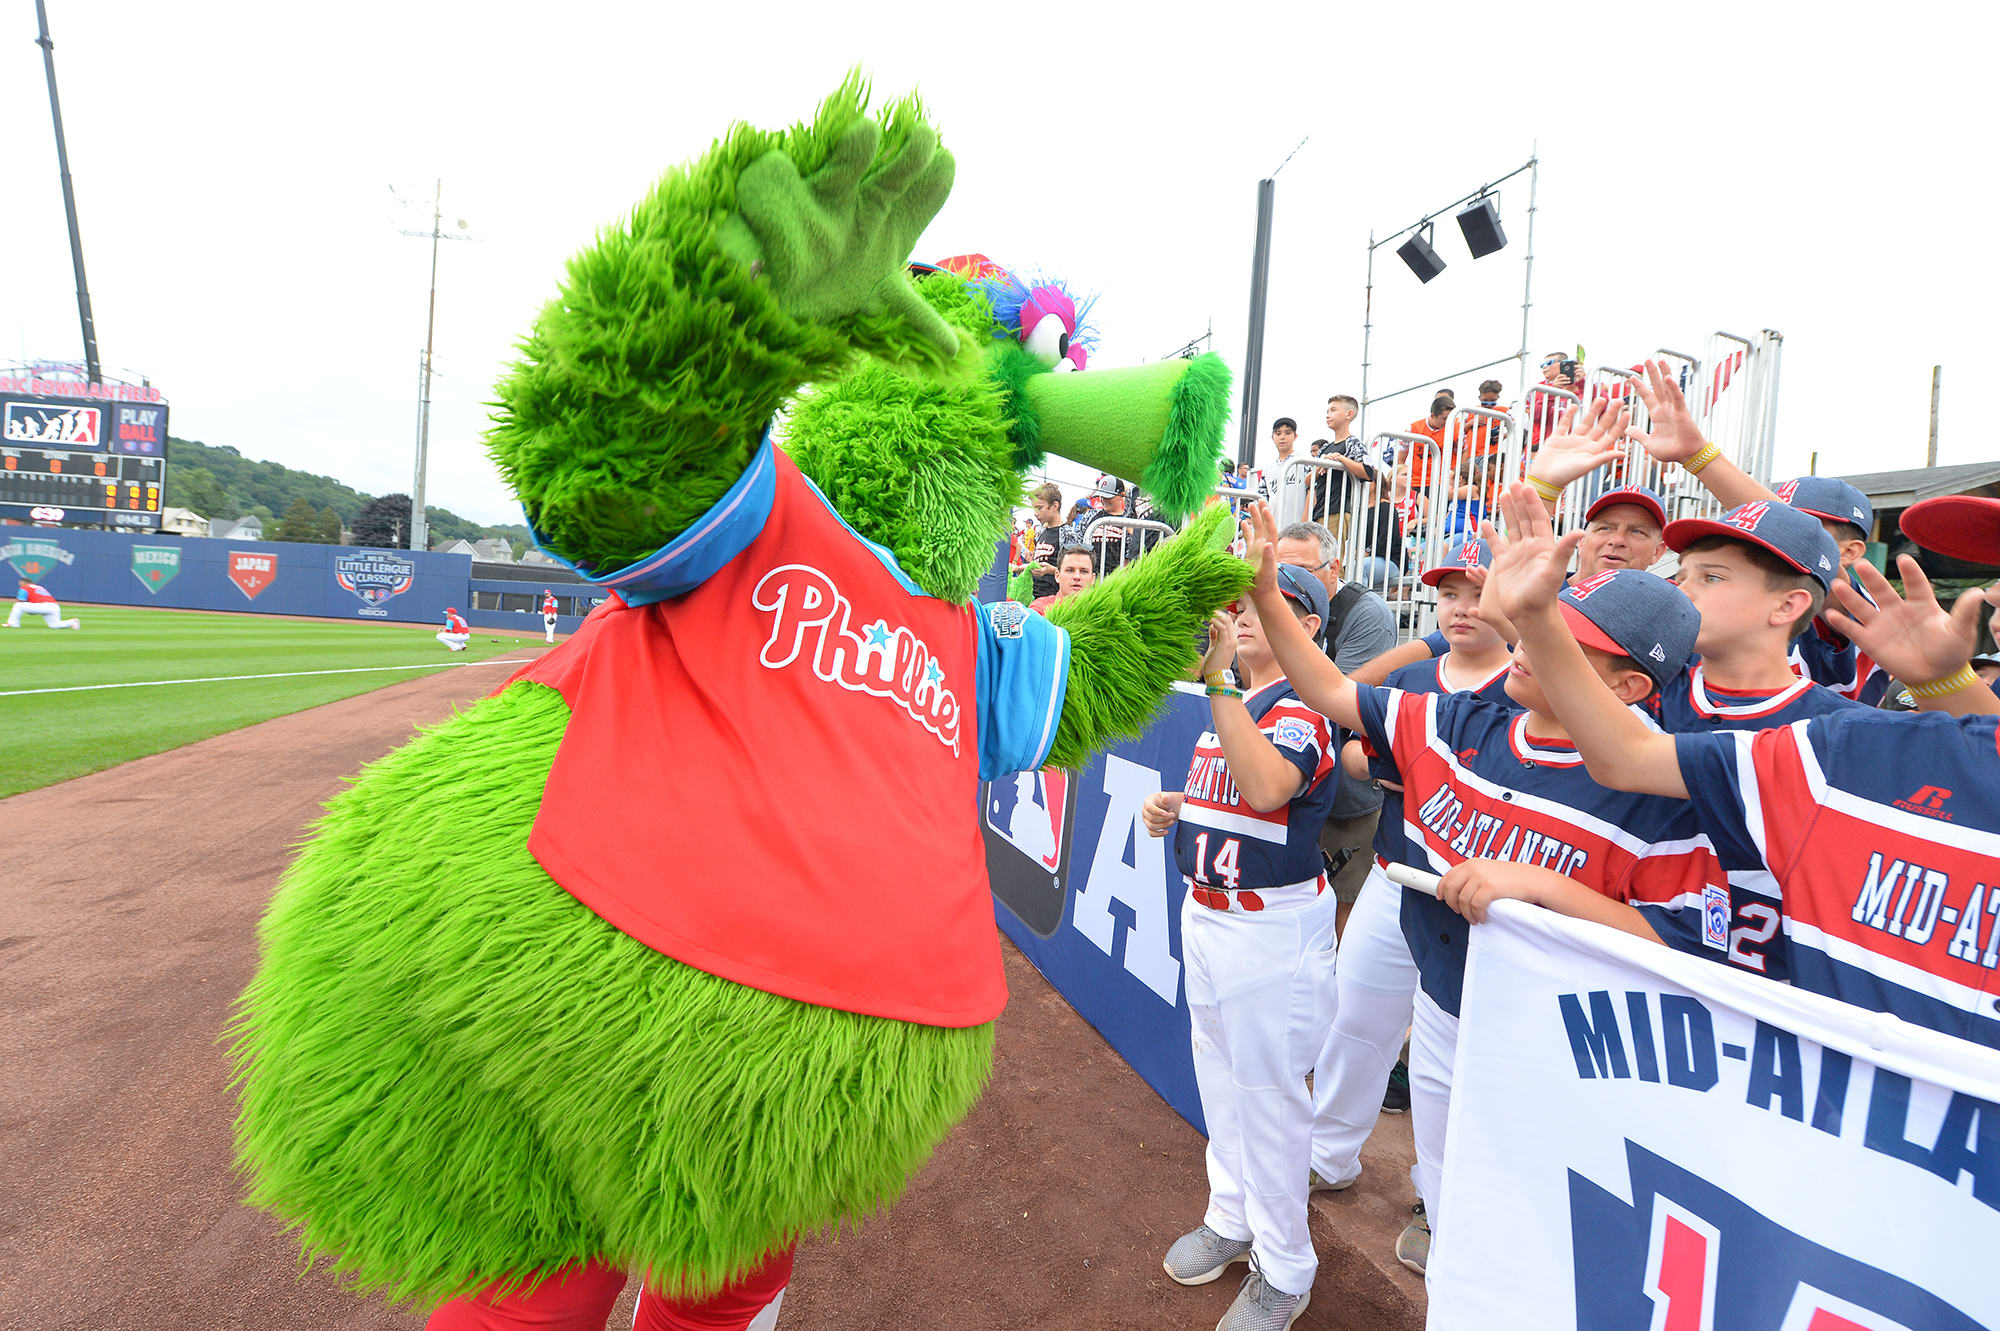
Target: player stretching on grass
x: 34, y: 599
x: 456, y: 632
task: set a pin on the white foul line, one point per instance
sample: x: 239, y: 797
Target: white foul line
x: 283, y: 674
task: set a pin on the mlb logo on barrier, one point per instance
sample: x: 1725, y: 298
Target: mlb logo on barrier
x: 375, y: 575
x: 1027, y: 810
x: 252, y: 571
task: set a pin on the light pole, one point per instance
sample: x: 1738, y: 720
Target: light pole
x: 419, y: 527
x: 48, y: 46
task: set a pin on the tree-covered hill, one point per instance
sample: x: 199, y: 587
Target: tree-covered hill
x: 216, y: 481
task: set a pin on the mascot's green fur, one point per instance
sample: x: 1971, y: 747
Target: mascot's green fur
x: 449, y: 1070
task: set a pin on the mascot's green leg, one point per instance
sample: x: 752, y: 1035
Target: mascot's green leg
x: 450, y: 1071
x: 1134, y: 634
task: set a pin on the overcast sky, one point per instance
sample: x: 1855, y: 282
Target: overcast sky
x: 1823, y: 171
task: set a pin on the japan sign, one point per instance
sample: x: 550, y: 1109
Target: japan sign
x: 252, y: 571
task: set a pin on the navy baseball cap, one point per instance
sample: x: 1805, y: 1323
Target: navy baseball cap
x: 1963, y: 527
x: 1299, y: 583
x: 1628, y: 494
x: 1634, y: 613
x: 1458, y: 557
x: 1825, y: 497
x: 1789, y: 533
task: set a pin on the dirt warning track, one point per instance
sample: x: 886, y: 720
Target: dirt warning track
x: 128, y: 909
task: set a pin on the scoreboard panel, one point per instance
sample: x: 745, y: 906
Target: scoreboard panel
x: 63, y: 460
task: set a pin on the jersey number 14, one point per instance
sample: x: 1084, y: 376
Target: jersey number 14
x: 1222, y: 868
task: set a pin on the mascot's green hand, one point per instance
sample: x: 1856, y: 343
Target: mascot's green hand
x: 834, y: 245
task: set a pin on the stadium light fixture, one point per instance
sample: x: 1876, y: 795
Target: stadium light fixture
x: 1480, y: 224
x: 1418, y: 254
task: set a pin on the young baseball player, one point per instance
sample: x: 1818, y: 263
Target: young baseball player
x: 1823, y: 655
x: 1486, y: 781
x: 1879, y: 830
x: 548, y: 615
x: 1376, y: 979
x: 1257, y: 938
x: 33, y: 599
x: 456, y: 632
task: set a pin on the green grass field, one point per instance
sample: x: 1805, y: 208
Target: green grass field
x: 49, y: 737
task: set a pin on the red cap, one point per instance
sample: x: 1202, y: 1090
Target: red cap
x: 1958, y: 526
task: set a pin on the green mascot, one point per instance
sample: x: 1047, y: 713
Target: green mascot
x: 679, y: 945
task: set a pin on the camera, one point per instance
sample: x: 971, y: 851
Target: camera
x: 1569, y: 369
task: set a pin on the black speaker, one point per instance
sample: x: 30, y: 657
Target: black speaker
x: 1423, y: 260
x: 1481, y: 225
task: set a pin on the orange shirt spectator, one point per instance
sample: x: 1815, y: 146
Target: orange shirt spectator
x: 1420, y: 461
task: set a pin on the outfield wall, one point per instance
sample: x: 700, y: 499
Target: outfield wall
x: 256, y: 577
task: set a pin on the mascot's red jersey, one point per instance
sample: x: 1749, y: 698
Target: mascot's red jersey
x: 772, y: 762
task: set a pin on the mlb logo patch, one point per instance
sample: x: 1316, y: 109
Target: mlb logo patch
x: 1008, y: 618
x: 1027, y: 811
x: 1714, y: 916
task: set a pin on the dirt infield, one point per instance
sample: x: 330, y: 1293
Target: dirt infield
x: 128, y: 910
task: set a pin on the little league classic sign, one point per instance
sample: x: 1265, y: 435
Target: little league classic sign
x: 156, y: 565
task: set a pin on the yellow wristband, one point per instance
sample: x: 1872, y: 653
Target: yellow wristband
x: 1962, y: 678
x: 1218, y: 679
x: 1224, y: 691
x: 1708, y: 454
x: 1552, y: 493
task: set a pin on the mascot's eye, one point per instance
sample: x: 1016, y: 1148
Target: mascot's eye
x: 1048, y: 340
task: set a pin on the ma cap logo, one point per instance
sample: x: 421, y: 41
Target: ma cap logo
x: 1747, y: 516
x: 252, y: 571
x: 1696, y: 1256
x: 33, y: 558
x: 375, y: 575
x: 1579, y: 590
x: 156, y: 565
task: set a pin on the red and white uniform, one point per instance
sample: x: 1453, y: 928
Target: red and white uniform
x: 456, y: 632
x: 549, y: 616
x: 34, y: 599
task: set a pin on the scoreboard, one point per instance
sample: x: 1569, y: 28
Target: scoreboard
x: 90, y: 460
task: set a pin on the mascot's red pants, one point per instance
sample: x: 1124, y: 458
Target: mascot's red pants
x: 579, y: 1298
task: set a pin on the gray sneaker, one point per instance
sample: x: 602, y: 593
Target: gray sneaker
x: 1200, y: 1255
x: 1261, y: 1306
x: 1413, y: 1248
x: 1318, y: 1182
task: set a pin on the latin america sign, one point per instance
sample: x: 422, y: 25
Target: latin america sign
x: 375, y: 576
x: 33, y: 559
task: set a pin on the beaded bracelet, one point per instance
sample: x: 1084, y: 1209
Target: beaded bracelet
x: 1223, y: 691
x: 1961, y: 678
x: 1708, y: 454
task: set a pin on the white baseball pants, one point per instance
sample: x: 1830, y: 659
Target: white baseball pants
x: 50, y: 613
x: 549, y: 627
x: 1260, y: 994
x: 455, y: 641
x: 1433, y: 1045
x: 1375, y: 982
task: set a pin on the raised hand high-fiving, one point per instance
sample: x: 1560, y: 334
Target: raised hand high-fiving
x: 1529, y: 561
x: 1590, y: 436
x: 1674, y: 436
x: 834, y: 244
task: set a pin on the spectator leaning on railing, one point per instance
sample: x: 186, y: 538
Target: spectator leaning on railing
x: 1330, y: 485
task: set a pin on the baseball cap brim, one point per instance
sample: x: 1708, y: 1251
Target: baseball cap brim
x: 1685, y: 532
x: 1586, y: 632
x: 1431, y: 577
x: 1613, y: 498
x: 1957, y: 526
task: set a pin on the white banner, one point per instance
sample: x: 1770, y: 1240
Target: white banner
x: 1641, y: 1140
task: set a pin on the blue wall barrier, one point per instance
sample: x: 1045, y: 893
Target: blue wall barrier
x: 1095, y: 903
x: 259, y: 577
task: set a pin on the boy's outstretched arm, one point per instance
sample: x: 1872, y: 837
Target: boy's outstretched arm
x: 1469, y: 886
x: 1676, y: 438
x: 1312, y: 674
x: 1913, y: 638
x: 1618, y: 748
x: 1263, y: 776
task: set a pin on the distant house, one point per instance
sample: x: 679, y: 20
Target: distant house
x: 183, y: 522
x: 493, y: 550
x: 456, y: 547
x: 249, y: 527
x: 533, y: 556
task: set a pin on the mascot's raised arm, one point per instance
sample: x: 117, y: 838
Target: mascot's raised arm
x: 679, y: 945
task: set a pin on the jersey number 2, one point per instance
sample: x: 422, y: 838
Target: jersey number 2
x: 1222, y: 867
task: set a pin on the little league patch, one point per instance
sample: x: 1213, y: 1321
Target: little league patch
x: 156, y: 565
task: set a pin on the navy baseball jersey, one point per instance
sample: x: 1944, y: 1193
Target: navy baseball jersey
x: 1691, y: 705
x: 1220, y: 840
x: 1391, y: 842
x: 1845, y: 669
x: 1476, y: 786
x: 1881, y: 837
